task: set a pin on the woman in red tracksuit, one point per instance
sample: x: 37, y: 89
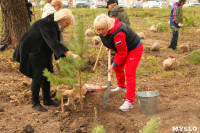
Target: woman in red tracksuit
x: 119, y: 37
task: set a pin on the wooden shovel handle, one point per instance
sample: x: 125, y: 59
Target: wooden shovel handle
x: 95, y: 65
x: 34, y: 13
x: 109, y: 64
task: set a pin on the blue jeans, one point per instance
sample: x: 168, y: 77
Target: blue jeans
x: 174, y: 39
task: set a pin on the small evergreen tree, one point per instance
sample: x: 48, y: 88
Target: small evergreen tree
x: 99, y: 129
x: 152, y: 125
x: 70, y: 70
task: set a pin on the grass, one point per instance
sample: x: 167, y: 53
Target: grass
x: 6, y: 54
x: 195, y: 59
x: 173, y: 73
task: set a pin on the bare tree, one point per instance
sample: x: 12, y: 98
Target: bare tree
x: 15, y: 21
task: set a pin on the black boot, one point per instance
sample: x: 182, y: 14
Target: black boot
x: 46, y: 95
x: 35, y: 89
x: 39, y: 107
x: 2, y: 47
x: 51, y: 103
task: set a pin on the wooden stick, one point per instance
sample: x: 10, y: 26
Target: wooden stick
x: 34, y: 13
x: 62, y: 108
x: 95, y: 115
x: 109, y: 64
x: 95, y: 65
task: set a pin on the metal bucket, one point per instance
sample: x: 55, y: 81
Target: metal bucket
x: 148, y: 102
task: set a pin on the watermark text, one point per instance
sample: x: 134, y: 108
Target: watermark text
x: 184, y: 128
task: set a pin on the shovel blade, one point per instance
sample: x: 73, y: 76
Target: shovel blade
x: 106, y: 93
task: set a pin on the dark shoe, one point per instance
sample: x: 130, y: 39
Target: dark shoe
x: 171, y: 49
x: 51, y: 103
x: 2, y: 47
x: 104, y: 73
x: 39, y: 107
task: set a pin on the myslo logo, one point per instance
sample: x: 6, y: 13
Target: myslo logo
x: 183, y: 128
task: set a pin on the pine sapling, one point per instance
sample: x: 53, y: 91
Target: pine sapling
x: 151, y: 126
x: 70, y: 71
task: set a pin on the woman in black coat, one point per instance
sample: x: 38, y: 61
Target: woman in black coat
x: 35, y: 50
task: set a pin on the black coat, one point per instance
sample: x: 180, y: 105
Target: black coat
x: 35, y: 49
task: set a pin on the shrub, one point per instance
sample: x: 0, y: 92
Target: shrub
x: 161, y: 25
x: 151, y: 126
x: 99, y: 129
x: 190, y: 21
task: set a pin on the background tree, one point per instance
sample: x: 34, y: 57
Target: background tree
x: 15, y: 21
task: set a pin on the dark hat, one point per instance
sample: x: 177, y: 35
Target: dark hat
x: 111, y: 2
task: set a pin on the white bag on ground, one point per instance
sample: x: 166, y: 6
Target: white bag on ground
x: 89, y: 33
x: 155, y: 47
x: 96, y: 40
x: 141, y: 35
x: 184, y: 48
x: 170, y: 63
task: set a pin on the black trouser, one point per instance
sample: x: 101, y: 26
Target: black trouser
x: 51, y: 66
x: 174, y: 39
x: 35, y: 89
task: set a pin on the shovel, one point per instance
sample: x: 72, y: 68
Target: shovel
x: 106, y: 93
x: 94, y: 68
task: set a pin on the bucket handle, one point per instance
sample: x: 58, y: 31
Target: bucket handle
x: 140, y: 104
x: 146, y: 84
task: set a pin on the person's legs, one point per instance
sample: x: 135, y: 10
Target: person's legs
x: 132, y: 62
x: 35, y: 89
x: 51, y: 66
x: 119, y: 71
x: 174, y: 39
x: 46, y: 90
x: 46, y: 94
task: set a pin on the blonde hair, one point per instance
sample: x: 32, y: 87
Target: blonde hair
x: 64, y: 14
x: 103, y: 21
x: 57, y: 2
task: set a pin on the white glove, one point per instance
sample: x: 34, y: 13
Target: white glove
x: 107, y: 49
x: 180, y: 25
x: 74, y: 56
x: 68, y: 53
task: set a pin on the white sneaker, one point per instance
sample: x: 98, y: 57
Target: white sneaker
x: 126, y: 106
x: 118, y: 89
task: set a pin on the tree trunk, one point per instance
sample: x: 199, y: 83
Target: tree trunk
x: 15, y: 21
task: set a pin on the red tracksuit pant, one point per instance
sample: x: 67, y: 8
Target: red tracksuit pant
x: 130, y: 65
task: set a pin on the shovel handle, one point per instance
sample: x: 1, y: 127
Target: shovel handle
x: 34, y: 13
x: 95, y: 65
x: 106, y: 93
x: 109, y: 64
